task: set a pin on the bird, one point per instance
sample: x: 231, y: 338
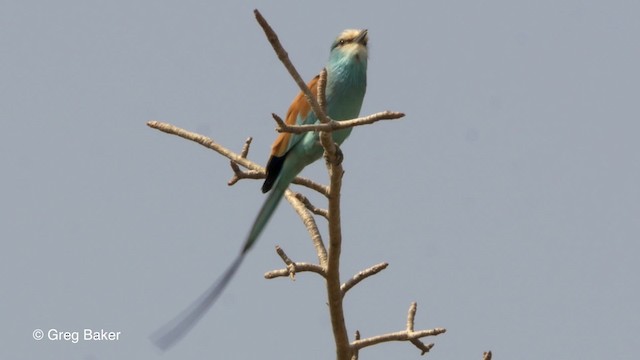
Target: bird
x: 290, y: 153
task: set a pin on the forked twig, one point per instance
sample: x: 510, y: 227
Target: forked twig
x: 292, y: 267
x: 336, y: 125
x: 407, y: 335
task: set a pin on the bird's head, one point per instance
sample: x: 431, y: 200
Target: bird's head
x: 350, y: 45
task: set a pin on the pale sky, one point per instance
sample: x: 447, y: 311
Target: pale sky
x: 506, y: 201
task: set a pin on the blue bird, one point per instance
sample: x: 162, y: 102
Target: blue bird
x: 290, y: 153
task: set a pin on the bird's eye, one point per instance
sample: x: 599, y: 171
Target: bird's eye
x: 342, y: 42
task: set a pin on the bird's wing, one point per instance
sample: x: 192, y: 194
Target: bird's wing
x: 299, y: 113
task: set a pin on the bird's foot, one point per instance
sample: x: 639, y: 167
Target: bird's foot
x: 339, y: 156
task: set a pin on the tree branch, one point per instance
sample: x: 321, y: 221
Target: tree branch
x: 239, y: 174
x: 314, y: 209
x: 329, y: 259
x: 407, y: 335
x: 284, y: 58
x: 292, y: 267
x: 310, y: 224
x: 361, y: 276
x: 206, y: 142
x: 336, y: 125
x: 356, y: 353
x: 298, y: 267
x: 334, y: 293
x: 256, y: 171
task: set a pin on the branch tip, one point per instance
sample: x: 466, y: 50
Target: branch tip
x: 411, y: 316
x: 322, y: 99
x: 357, y: 278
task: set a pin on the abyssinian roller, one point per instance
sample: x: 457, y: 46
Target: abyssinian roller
x: 290, y: 153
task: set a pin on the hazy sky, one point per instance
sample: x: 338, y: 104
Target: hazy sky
x: 507, y: 201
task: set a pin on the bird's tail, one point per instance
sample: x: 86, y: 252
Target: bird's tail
x: 176, y: 329
x: 266, y: 211
x: 173, y: 331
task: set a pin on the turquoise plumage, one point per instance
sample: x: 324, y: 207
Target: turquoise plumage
x: 345, y: 89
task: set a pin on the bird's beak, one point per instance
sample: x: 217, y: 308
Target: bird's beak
x: 362, y: 37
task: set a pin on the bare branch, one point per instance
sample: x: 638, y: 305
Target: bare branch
x: 407, y: 335
x: 326, y: 140
x: 314, y: 209
x: 310, y: 225
x: 283, y: 256
x: 299, y: 267
x: 245, y: 147
x: 256, y: 171
x: 308, y: 183
x: 239, y: 174
x: 343, y: 348
x: 284, y: 58
x: 329, y: 259
x: 361, y: 276
x: 338, y: 125
x: 411, y: 316
x: 206, y: 142
x: 424, y: 348
x: 356, y: 353
x: 292, y: 267
x: 322, y: 98
x: 279, y: 121
x: 334, y: 294
x: 398, y: 336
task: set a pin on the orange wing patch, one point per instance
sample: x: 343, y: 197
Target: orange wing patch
x: 299, y: 109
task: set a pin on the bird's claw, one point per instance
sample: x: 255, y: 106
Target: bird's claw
x: 337, y: 158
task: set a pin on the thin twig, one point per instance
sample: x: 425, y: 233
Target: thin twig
x: 299, y: 267
x: 283, y: 256
x: 256, y: 171
x: 245, y: 148
x: 311, y: 226
x: 314, y: 209
x: 411, y: 316
x: 284, y: 58
x: 356, y: 353
x: 326, y: 140
x: 239, y: 174
x: 407, y: 335
x: 361, y: 276
x: 206, y: 142
x: 337, y: 125
x: 292, y: 267
x: 398, y: 336
x: 308, y: 183
x: 322, y: 98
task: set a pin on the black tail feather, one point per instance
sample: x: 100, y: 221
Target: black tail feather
x: 273, y: 170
